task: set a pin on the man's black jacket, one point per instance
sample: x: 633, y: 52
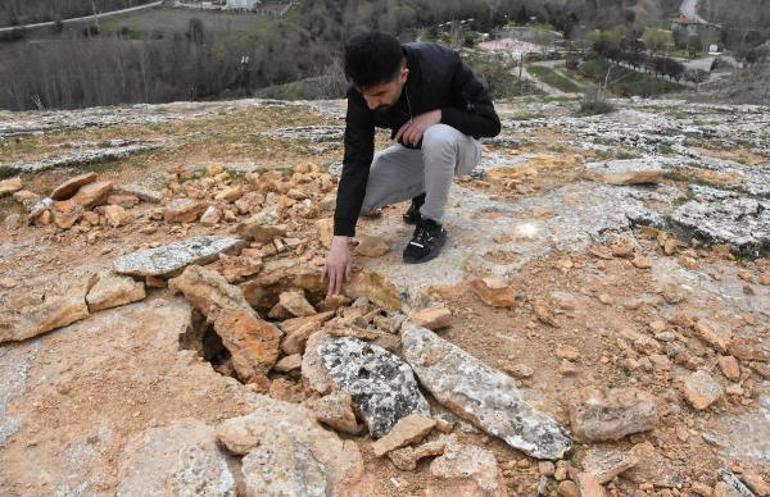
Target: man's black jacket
x: 438, y: 79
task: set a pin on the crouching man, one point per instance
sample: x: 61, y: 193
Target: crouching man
x: 436, y: 110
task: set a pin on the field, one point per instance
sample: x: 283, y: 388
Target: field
x: 625, y: 81
x: 553, y: 78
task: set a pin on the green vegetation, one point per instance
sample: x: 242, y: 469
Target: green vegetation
x: 552, y: 78
x: 626, y: 82
x: 170, y: 21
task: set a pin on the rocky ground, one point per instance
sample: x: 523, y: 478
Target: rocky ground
x: 597, y: 324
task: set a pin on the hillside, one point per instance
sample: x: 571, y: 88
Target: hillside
x: 600, y: 310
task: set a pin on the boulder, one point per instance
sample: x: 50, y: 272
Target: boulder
x: 381, y: 385
x: 487, y: 398
x: 180, y: 459
x: 92, y: 194
x: 170, y: 259
x: 599, y: 415
x: 70, y: 187
x: 112, y: 290
x: 288, y: 453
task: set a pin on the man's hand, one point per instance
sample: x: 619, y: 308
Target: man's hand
x: 337, y: 268
x: 413, y: 130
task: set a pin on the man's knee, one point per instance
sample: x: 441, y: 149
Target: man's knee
x: 440, y: 136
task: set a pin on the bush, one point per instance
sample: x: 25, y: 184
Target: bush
x: 595, y: 102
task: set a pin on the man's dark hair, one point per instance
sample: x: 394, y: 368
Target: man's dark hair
x: 372, y: 58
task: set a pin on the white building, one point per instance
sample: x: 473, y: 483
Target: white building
x: 242, y: 4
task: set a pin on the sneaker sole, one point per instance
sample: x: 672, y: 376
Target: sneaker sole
x: 431, y: 255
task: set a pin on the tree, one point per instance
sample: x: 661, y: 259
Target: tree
x: 522, y: 17
x: 657, y: 39
x: 195, y: 31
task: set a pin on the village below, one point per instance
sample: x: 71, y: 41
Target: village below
x: 596, y: 326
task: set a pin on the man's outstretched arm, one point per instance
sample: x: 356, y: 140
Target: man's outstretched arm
x: 359, y: 153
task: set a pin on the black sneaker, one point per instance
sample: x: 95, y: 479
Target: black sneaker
x: 426, y: 243
x: 412, y: 215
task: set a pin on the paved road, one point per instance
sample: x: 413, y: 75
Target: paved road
x: 85, y: 18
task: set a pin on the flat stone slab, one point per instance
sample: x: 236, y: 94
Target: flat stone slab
x: 179, y: 459
x: 169, y: 259
x: 382, y: 386
x: 626, y: 172
x: 487, y: 398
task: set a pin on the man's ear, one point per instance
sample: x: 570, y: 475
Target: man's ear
x: 403, y: 75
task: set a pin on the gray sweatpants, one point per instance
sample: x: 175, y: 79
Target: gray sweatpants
x: 399, y: 173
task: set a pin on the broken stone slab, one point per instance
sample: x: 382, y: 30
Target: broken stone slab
x: 288, y: 453
x: 713, y: 333
x: 261, y: 233
x: 92, y: 194
x: 38, y: 208
x: 295, y: 303
x: 252, y: 342
x: 409, y: 430
x: 112, y: 290
x: 184, y: 210
x: 142, y: 193
x: 376, y: 287
x: 606, y: 464
x: 730, y: 479
x: 382, y: 386
x: 325, y: 229
x: 487, y: 398
x: 494, y: 292
x: 314, y: 374
x: 62, y: 306
x: 597, y: 415
x: 70, y: 187
x: 170, y: 259
x: 466, y: 470
x: 179, y: 459
x: 406, y: 459
x: 10, y: 185
x: 371, y: 246
x: 66, y: 213
x: 589, y: 486
x: 652, y: 467
x: 434, y: 318
x: 625, y: 172
x: 336, y: 411
x: 701, y: 390
x: 289, y: 363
